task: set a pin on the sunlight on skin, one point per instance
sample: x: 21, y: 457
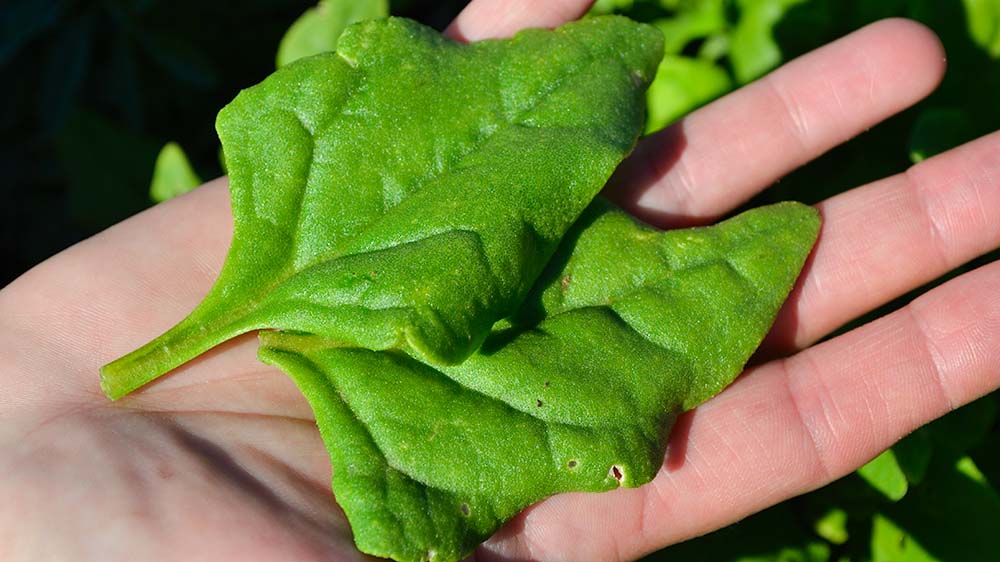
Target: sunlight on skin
x: 220, y: 460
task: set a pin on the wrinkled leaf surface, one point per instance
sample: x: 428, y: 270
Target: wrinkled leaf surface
x: 577, y: 392
x: 405, y: 192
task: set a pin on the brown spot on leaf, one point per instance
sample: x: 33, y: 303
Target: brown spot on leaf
x: 465, y: 509
x: 572, y: 463
x: 564, y: 283
x: 616, y: 472
x: 539, y: 403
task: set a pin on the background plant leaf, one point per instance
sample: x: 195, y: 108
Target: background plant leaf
x: 913, y: 455
x: 832, y: 526
x: 681, y: 85
x: 628, y: 328
x: 984, y: 24
x: 885, y: 475
x: 936, y: 130
x: 754, y: 49
x: 317, y: 30
x: 172, y: 175
x: 890, y: 543
x: 954, y: 519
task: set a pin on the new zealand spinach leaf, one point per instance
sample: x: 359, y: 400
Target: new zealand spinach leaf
x: 405, y: 192
x: 627, y: 328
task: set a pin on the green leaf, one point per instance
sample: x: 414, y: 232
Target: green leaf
x: 628, y: 327
x: 885, y: 475
x: 731, y: 545
x: 317, y: 30
x: 952, y: 516
x: 172, y: 174
x: 890, y: 543
x: 938, y: 130
x: 913, y: 454
x: 405, y: 192
x: 983, y: 17
x: 965, y: 428
x: 703, y: 19
x: 754, y: 51
x: 832, y: 526
x: 774, y: 535
x: 987, y: 452
x: 602, y: 7
x: 682, y: 85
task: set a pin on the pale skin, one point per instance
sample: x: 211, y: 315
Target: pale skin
x: 221, y: 460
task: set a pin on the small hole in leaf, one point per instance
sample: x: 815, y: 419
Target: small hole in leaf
x: 572, y: 463
x: 616, y: 473
x: 465, y: 509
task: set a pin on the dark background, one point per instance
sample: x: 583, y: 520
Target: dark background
x: 90, y: 90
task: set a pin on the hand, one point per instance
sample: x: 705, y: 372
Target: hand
x: 221, y: 460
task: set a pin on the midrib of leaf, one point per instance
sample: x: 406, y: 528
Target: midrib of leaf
x: 176, y: 346
x: 301, y: 195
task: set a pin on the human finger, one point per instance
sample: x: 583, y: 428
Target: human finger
x: 884, y: 239
x: 490, y: 19
x: 722, y: 154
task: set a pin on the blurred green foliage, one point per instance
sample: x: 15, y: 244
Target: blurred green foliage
x: 172, y: 174
x: 317, y: 30
x: 94, y: 88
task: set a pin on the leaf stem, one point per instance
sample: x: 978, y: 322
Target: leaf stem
x: 188, y: 339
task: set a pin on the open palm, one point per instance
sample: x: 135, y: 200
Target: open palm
x: 222, y: 461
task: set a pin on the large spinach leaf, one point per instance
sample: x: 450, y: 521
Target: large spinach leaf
x: 406, y: 191
x: 627, y: 328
